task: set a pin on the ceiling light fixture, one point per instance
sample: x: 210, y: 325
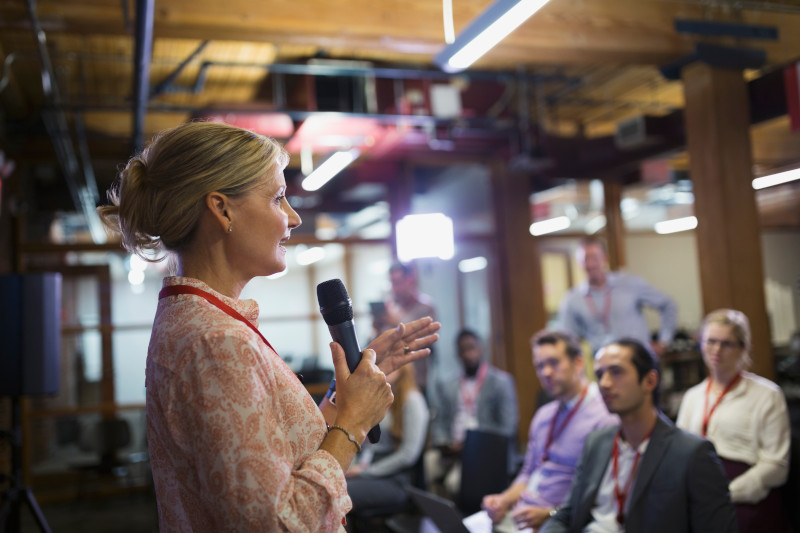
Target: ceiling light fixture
x: 483, y: 33
x: 310, y: 256
x: 425, y: 235
x: 327, y: 170
x: 447, y: 15
x: 549, y: 226
x: 473, y: 264
x: 776, y: 179
x: 675, y: 225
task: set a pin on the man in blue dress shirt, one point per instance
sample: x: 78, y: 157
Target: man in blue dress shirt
x: 608, y: 305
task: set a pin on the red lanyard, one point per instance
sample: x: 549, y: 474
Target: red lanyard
x: 172, y: 290
x: 707, y: 414
x: 620, y: 495
x: 552, y: 434
x: 470, y: 397
x: 606, y: 307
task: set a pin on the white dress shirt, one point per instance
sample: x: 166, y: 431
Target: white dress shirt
x: 750, y: 425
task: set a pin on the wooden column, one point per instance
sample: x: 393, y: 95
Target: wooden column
x: 615, y: 226
x: 401, y: 189
x: 520, y: 285
x: 728, y: 230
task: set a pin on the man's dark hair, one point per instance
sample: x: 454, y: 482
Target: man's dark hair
x: 590, y: 240
x: 571, y: 344
x: 466, y: 332
x: 406, y: 268
x: 645, y: 360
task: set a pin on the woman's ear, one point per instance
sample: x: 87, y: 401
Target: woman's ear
x: 219, y: 206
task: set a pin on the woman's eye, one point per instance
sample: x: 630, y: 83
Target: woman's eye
x: 279, y: 199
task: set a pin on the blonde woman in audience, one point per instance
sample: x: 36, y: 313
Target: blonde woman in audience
x: 745, y: 417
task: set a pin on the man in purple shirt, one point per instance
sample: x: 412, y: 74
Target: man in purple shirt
x: 556, y: 436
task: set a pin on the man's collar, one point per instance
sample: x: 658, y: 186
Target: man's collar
x: 611, y: 278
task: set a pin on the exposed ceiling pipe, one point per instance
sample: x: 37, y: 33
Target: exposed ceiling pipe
x: 83, y: 194
x: 167, y: 82
x: 141, y: 68
x: 742, y: 5
x: 379, y: 72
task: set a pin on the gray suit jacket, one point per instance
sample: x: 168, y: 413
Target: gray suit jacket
x: 497, y: 408
x: 680, y: 486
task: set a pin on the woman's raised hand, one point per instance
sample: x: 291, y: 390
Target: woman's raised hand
x: 405, y: 343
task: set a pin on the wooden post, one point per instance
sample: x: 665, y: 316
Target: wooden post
x: 728, y: 229
x: 615, y: 226
x: 400, y: 191
x: 520, y: 279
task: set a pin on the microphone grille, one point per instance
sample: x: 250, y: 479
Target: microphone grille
x: 334, y: 302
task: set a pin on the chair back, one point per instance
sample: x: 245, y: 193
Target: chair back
x: 484, y: 468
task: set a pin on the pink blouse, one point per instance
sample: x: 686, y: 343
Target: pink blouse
x: 233, y: 435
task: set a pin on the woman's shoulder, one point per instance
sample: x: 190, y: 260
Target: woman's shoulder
x: 186, y: 330
x: 761, y: 385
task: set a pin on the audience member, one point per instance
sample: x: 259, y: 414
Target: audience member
x: 407, y: 304
x: 556, y: 437
x: 380, y: 473
x: 483, y: 397
x: 645, y: 475
x: 746, y: 418
x: 609, y: 305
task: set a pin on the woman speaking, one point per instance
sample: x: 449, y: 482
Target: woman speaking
x: 236, y: 442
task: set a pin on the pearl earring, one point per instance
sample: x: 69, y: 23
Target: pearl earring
x: 230, y: 228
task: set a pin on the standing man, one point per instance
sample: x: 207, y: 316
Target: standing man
x: 406, y: 305
x: 483, y: 397
x: 608, y: 305
x: 556, y: 436
x: 646, y: 474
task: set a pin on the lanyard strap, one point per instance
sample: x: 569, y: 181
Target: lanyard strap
x: 606, y: 315
x: 172, y: 290
x: 706, y: 413
x: 553, y: 434
x: 619, y: 494
x: 468, y: 396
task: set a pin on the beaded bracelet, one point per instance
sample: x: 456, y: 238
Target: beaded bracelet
x: 350, y: 436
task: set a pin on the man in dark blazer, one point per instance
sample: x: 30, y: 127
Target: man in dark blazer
x: 645, y: 475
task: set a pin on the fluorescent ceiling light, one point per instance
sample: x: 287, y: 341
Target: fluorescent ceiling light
x: 332, y: 166
x: 310, y: 256
x: 596, y: 224
x: 447, y: 15
x: 483, y: 33
x: 675, y: 225
x: 136, y: 277
x: 472, y: 264
x: 776, y: 179
x: 429, y: 235
x: 549, y: 226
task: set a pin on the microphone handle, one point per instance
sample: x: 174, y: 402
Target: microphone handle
x: 345, y: 335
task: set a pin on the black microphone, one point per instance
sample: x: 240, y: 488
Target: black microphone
x: 337, y: 310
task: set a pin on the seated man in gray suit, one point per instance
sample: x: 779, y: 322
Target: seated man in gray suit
x: 482, y: 397
x: 645, y: 475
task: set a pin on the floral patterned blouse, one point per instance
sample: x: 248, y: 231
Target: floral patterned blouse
x: 234, y: 436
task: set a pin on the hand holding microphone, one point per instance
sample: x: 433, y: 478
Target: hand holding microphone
x: 367, y: 396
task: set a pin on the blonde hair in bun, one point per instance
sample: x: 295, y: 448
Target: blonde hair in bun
x: 158, y: 197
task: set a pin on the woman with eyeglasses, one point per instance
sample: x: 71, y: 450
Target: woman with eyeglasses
x: 745, y: 417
